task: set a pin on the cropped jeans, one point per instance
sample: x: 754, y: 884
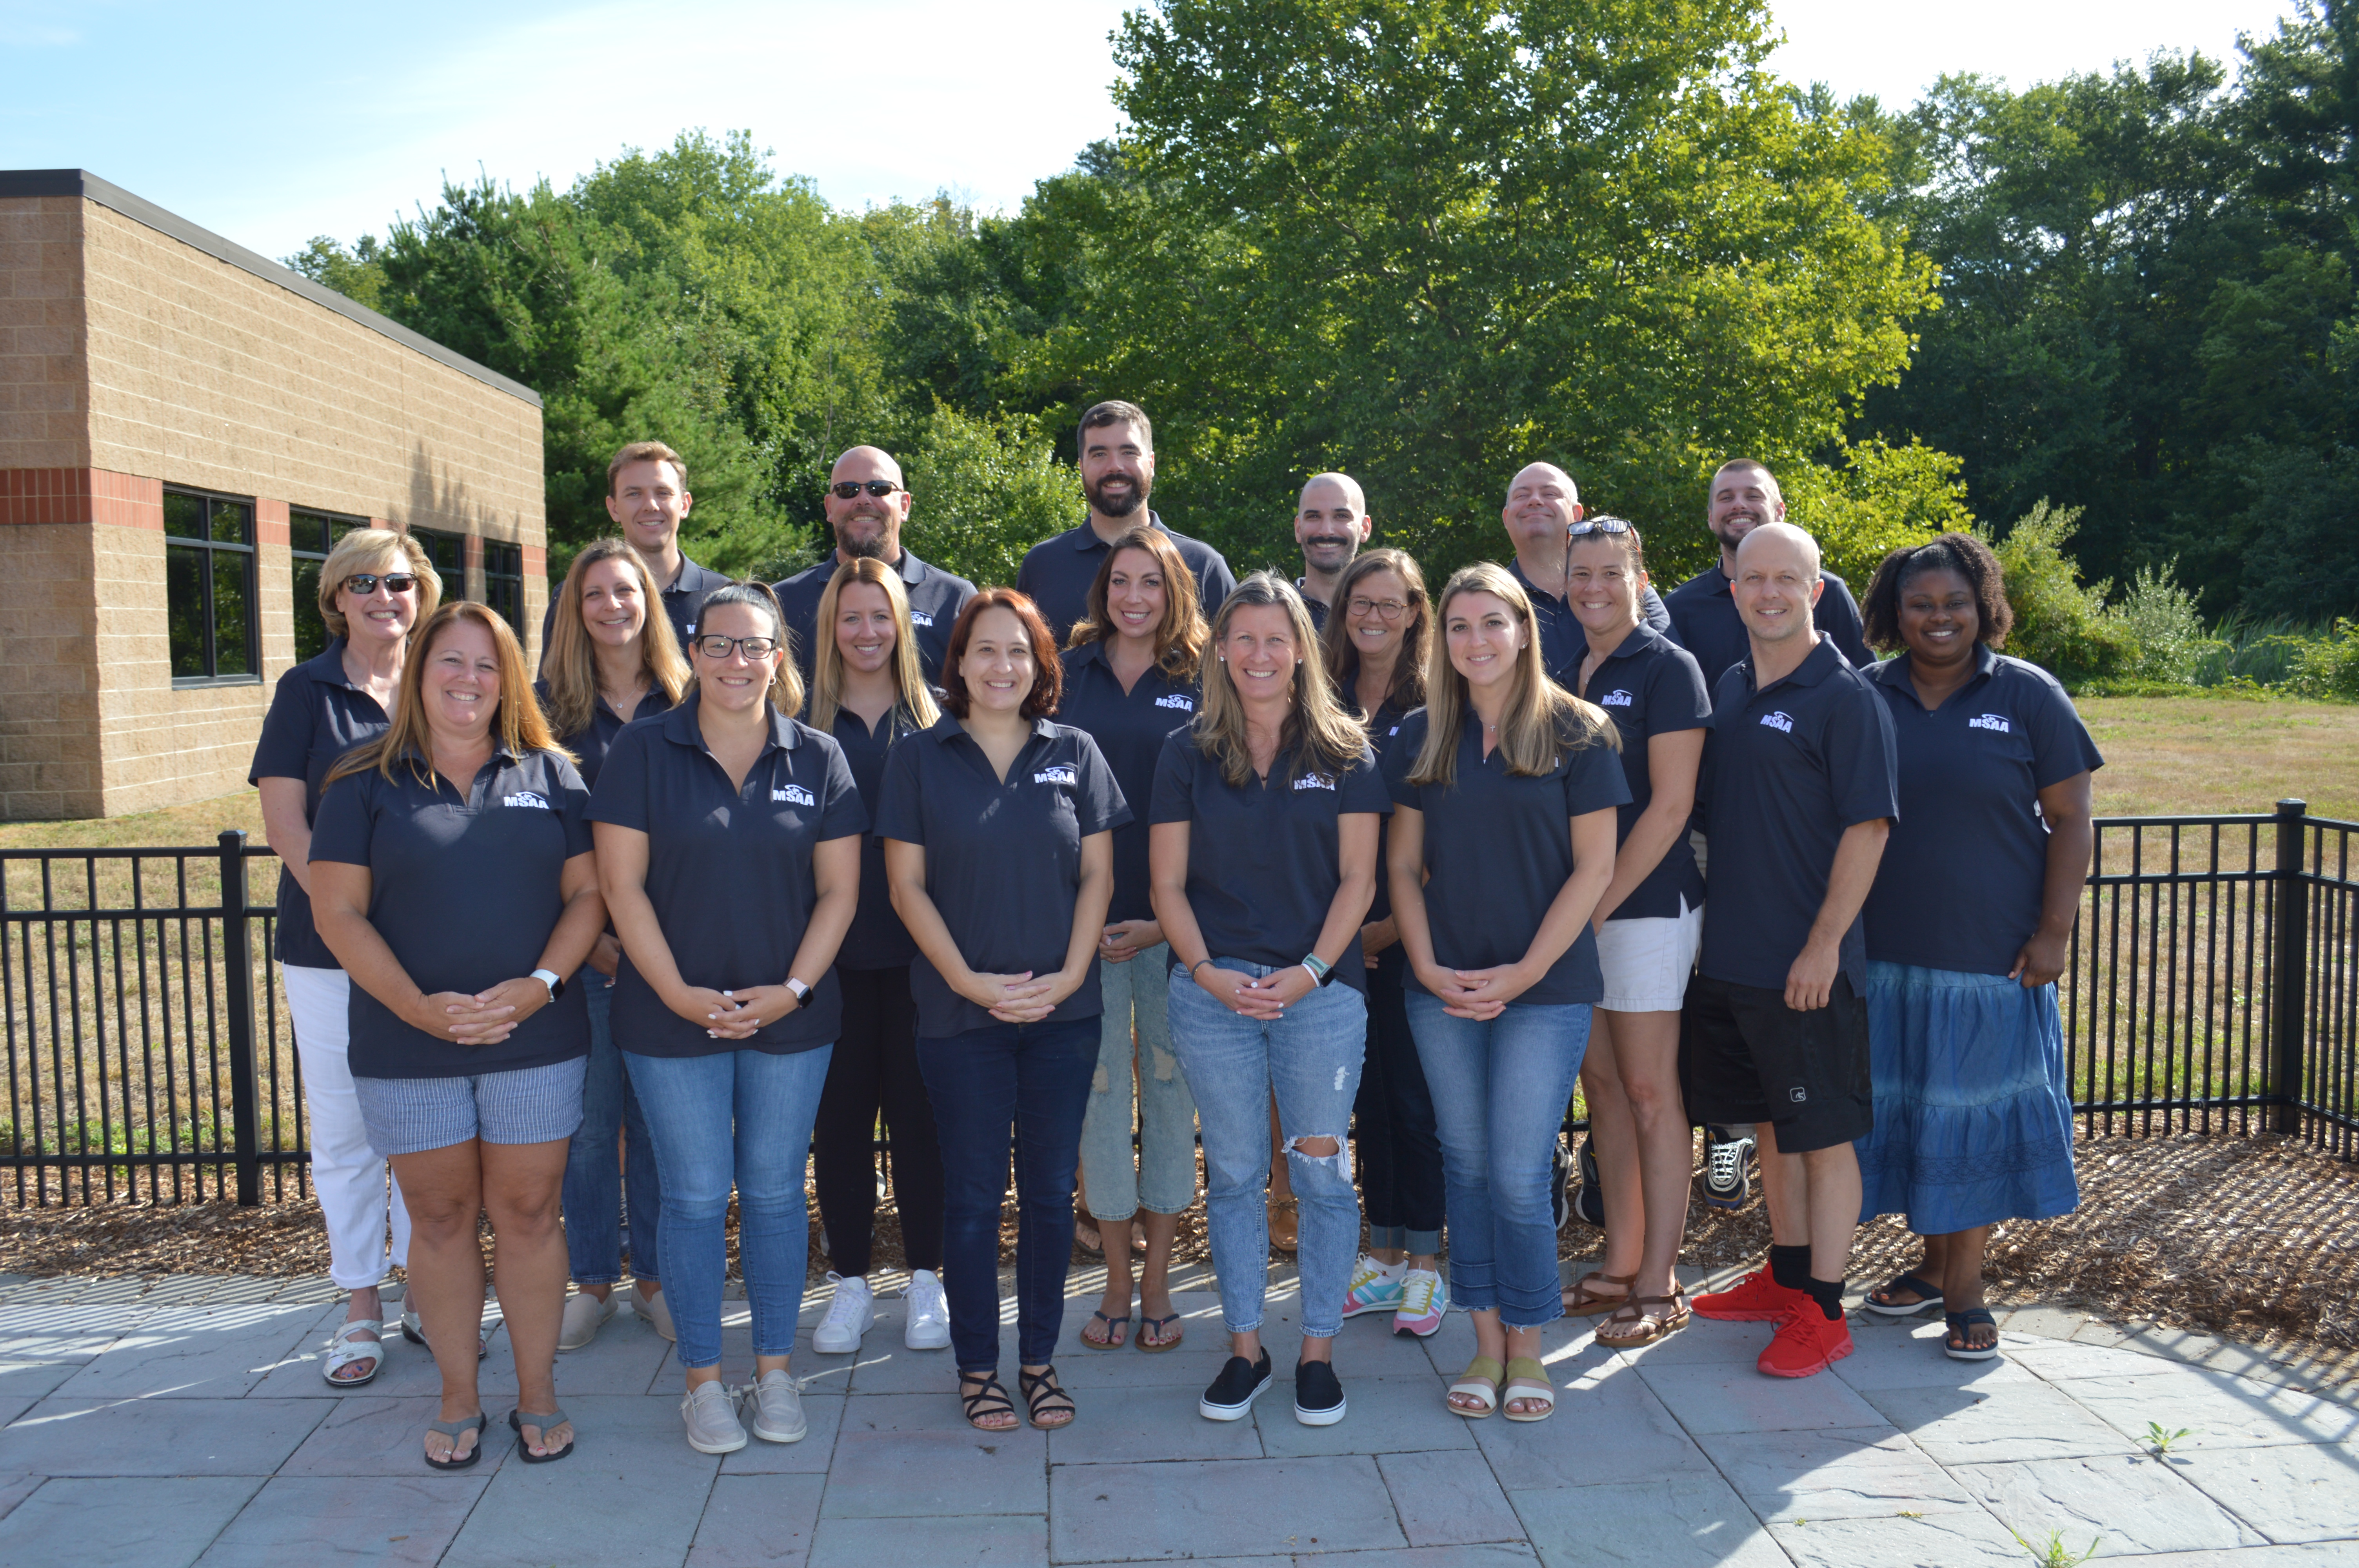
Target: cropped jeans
x: 1161, y: 1177
x: 1499, y: 1093
x: 740, y: 1117
x: 593, y: 1173
x: 1310, y: 1059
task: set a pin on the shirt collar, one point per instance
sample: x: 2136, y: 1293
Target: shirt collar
x: 327, y: 666
x: 1814, y: 668
x: 1894, y: 672
x: 680, y: 725
x: 694, y: 578
x: 1085, y: 538
x: 947, y: 729
x: 1642, y: 639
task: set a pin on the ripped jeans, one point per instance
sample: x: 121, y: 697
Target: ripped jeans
x: 1312, y: 1059
x: 1161, y: 1179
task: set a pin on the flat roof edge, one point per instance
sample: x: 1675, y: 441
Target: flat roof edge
x: 21, y: 182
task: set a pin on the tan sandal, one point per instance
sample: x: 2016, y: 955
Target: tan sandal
x: 1527, y: 1381
x: 1630, y: 1327
x: 1582, y: 1302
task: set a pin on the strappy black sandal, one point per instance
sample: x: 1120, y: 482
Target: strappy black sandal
x: 1042, y: 1397
x: 1965, y: 1349
x: 990, y: 1398
x: 455, y: 1430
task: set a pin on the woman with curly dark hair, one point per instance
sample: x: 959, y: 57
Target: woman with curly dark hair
x: 1974, y: 1118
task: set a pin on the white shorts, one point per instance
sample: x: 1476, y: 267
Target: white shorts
x: 1647, y: 961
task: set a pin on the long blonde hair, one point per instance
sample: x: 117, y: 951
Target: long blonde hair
x: 1542, y: 719
x: 516, y: 723
x: 570, y: 662
x: 786, y: 682
x: 1318, y: 731
x: 1181, y: 636
x: 911, y: 695
x: 1417, y: 633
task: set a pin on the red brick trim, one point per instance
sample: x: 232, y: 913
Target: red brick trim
x: 85, y: 496
x: 536, y: 560
x: 271, y: 523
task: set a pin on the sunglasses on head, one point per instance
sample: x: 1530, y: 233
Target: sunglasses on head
x: 1598, y: 526
x: 850, y: 489
x: 365, y: 583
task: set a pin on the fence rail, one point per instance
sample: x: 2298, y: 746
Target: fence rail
x: 2212, y: 985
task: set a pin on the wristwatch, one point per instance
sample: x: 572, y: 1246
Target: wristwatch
x: 553, y: 981
x: 801, y: 991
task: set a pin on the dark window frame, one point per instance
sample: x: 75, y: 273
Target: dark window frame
x: 213, y: 555
x: 332, y: 526
x: 504, y: 581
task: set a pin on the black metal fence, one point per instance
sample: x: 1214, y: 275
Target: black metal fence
x: 2213, y: 986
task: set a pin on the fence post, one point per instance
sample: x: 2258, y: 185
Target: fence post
x: 237, y: 951
x: 2288, y: 952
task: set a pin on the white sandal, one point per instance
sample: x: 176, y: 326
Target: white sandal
x: 346, y: 1350
x: 1481, y: 1381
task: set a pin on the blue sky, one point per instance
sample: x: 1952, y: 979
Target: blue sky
x: 271, y: 123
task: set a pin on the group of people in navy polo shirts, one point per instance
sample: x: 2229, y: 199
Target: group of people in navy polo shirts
x: 1131, y: 858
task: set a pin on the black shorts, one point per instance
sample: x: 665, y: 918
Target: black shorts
x: 1746, y: 1056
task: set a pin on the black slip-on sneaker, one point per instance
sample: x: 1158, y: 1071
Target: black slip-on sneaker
x: 1232, y: 1395
x: 1318, y: 1394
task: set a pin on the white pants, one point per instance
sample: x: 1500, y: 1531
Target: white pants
x: 345, y: 1171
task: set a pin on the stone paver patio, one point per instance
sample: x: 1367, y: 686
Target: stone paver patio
x: 186, y: 1422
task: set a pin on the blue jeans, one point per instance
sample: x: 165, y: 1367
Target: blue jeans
x: 1033, y: 1077
x: 1161, y: 1177
x: 1310, y: 1058
x: 741, y: 1116
x: 1499, y: 1094
x: 594, y: 1238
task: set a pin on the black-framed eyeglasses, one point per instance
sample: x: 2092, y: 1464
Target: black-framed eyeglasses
x: 365, y: 583
x: 850, y: 489
x: 1598, y: 526
x: 718, y: 647
x: 1382, y: 609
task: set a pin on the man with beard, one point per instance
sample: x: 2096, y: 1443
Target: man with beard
x: 647, y: 496
x: 1330, y: 523
x: 1704, y: 621
x: 865, y: 506
x: 1542, y: 503
x: 1117, y: 452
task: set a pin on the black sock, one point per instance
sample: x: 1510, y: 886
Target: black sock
x: 1791, y: 1266
x: 1828, y: 1293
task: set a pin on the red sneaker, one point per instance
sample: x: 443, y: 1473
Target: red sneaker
x: 1757, y: 1298
x: 1807, y: 1343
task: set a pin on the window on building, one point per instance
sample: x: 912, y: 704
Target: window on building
x: 313, y: 534
x: 208, y: 588
x: 448, y: 554
x: 503, y: 582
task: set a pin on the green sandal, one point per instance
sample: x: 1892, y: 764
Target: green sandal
x: 1481, y: 1381
x: 1523, y: 1372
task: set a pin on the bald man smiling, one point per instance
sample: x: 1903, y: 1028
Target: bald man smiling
x: 1542, y: 503
x: 867, y: 504
x: 1330, y: 523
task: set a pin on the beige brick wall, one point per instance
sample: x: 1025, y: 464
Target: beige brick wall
x: 49, y: 728
x: 43, y: 368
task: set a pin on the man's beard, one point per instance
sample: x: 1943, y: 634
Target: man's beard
x: 870, y: 546
x: 1720, y: 530
x: 1129, y: 504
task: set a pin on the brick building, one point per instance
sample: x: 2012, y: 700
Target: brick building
x: 185, y: 428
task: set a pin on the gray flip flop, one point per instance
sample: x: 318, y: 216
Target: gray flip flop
x: 455, y: 1430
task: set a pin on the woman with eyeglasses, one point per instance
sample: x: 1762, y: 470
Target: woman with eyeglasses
x: 1132, y: 664
x: 1504, y: 788
x: 729, y: 849
x: 451, y: 873
x: 1648, y: 925
x: 1377, y: 648
x: 375, y: 588
x: 611, y: 658
x: 1263, y: 858
x: 998, y: 827
x: 869, y: 692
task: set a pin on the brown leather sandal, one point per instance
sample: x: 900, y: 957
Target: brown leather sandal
x: 1630, y: 1328
x: 1582, y: 1302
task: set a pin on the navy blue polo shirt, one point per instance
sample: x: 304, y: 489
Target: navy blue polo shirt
x: 1130, y: 728
x: 1562, y: 641
x: 1705, y: 622
x: 1058, y: 571
x: 465, y: 891
x: 1787, y: 770
x: 1003, y: 858
x: 936, y: 597
x: 1318, y: 607
x: 1971, y: 774
x: 590, y: 746
x: 729, y: 873
x: 1498, y: 850
x: 1384, y: 732
x: 1651, y: 686
x: 317, y: 714
x: 877, y: 939
x: 1264, y: 858
x: 683, y: 601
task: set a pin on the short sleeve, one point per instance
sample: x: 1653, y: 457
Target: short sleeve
x: 900, y: 810
x: 1593, y: 780
x: 2060, y: 745
x: 1175, y: 780
x: 347, y: 820
x: 1098, y: 800
x: 1863, y: 764
x: 841, y: 812
x: 620, y: 797
x: 1677, y: 698
x: 1362, y: 787
x: 285, y: 749
x: 1400, y: 758
x: 573, y: 808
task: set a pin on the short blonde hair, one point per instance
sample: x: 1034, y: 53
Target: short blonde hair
x: 373, y: 549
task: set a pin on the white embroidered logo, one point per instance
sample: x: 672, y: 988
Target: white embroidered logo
x: 919, y: 618
x: 1989, y: 722
x: 795, y: 794
x: 1393, y: 731
x: 1617, y: 699
x: 1059, y: 774
x: 1778, y: 721
x: 1173, y: 699
x: 537, y: 801
x: 1314, y: 781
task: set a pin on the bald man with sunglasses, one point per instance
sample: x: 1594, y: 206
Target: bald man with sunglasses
x: 866, y: 503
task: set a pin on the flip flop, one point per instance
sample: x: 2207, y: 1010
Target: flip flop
x: 1927, y: 1293
x: 1113, y: 1325
x: 1965, y: 1349
x: 454, y: 1429
x: 517, y: 1418
x: 1161, y: 1325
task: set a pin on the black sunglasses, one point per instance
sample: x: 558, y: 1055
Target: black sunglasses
x: 365, y: 583
x: 1599, y: 525
x: 850, y: 489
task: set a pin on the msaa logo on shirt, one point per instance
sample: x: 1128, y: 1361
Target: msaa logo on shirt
x: 1059, y: 774
x: 1989, y: 722
x: 1174, y: 699
x: 795, y: 794
x: 1617, y: 699
x: 919, y: 618
x: 1314, y: 781
x: 531, y: 798
x: 1780, y: 720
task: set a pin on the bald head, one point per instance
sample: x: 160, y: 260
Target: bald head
x: 1330, y: 523
x: 866, y: 525
x: 1542, y: 503
x: 1776, y: 583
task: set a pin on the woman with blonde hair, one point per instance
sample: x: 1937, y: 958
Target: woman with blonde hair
x: 1263, y: 860
x: 611, y: 658
x: 376, y: 586
x: 451, y: 873
x: 869, y: 691
x: 1504, y: 791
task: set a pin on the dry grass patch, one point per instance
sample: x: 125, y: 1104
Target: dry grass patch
x: 2167, y: 756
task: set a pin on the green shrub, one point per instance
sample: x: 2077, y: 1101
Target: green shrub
x: 2328, y: 664
x: 984, y: 491
x: 2166, y: 636
x: 2060, y: 623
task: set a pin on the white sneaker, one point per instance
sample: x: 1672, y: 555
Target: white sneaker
x: 585, y: 1315
x: 710, y: 1414
x: 656, y: 1310
x: 778, y: 1405
x: 852, y: 1314
x: 928, y: 1327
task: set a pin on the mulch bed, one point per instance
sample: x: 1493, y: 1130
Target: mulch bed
x: 2254, y: 1238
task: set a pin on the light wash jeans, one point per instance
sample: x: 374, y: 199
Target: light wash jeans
x: 355, y: 1200
x: 1310, y: 1058
x: 1161, y: 1178
x: 594, y: 1174
x: 1499, y: 1093
x: 741, y: 1116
